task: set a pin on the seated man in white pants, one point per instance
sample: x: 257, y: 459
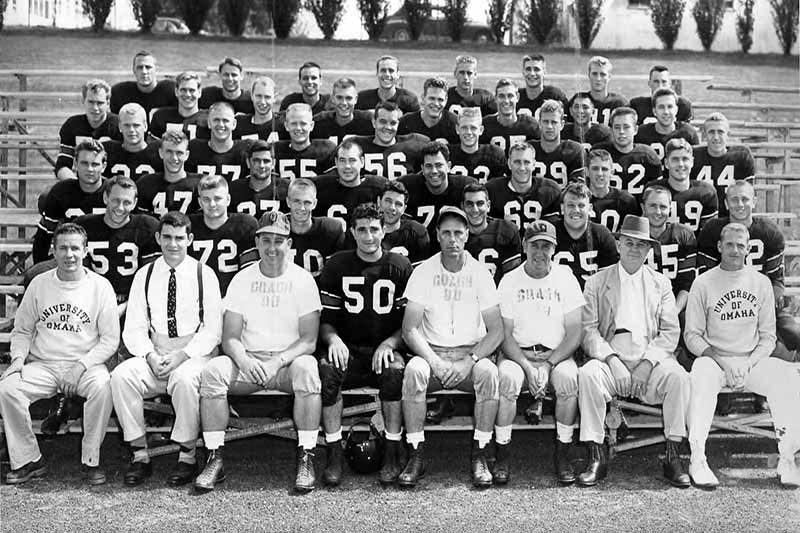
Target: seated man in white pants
x: 64, y: 331
x: 541, y: 308
x: 171, y: 337
x: 631, y: 331
x: 269, y: 333
x: 730, y: 328
x: 452, y: 325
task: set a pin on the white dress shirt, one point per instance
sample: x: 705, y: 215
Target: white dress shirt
x: 631, y: 311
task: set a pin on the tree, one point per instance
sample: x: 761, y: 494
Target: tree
x: 499, y: 15
x: 417, y: 12
x: 588, y: 19
x: 284, y: 15
x: 145, y: 13
x: 455, y: 13
x: 744, y: 24
x: 543, y: 19
x: 97, y: 11
x: 194, y: 13
x: 328, y: 14
x: 235, y: 13
x: 708, y: 17
x: 373, y: 15
x: 785, y: 19
x: 667, y: 16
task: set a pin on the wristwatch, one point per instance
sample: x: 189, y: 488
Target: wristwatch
x: 473, y: 357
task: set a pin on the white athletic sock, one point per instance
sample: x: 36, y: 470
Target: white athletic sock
x: 394, y: 436
x: 564, y: 432
x: 214, y: 439
x: 483, y: 437
x: 307, y: 439
x: 333, y: 437
x: 414, y: 439
x: 502, y: 434
x: 140, y: 455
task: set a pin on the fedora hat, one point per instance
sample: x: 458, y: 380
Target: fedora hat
x: 636, y: 228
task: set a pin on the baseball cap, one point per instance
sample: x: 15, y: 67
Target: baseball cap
x: 273, y: 222
x: 540, y: 230
x: 453, y: 211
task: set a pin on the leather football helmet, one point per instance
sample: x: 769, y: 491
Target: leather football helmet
x: 364, y: 455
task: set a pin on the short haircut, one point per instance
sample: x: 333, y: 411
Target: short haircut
x: 433, y: 148
x: 435, y: 83
x: 266, y: 81
x: 142, y: 53
x: 678, y: 143
x: 176, y: 219
x: 348, y: 144
x: 69, y: 228
x: 133, y: 109
x: 663, y: 92
x: 600, y: 61
x: 209, y: 182
x: 121, y: 181
x: 576, y: 188
x: 232, y: 61
x: 387, y: 58
x: 308, y: 64
x: 657, y: 68
x: 395, y: 186
x: 465, y: 58
x: 221, y: 106
x: 734, y: 227
x: 174, y: 137
x: 90, y: 145
x: 470, y: 113
x: 581, y: 95
x: 623, y: 111
x: 367, y: 210
x: 740, y: 184
x: 299, y: 107
x: 533, y: 57
x: 521, y: 147
x: 649, y: 190
x: 504, y: 82
x: 450, y: 214
x: 387, y: 106
x: 599, y: 153
x: 472, y: 188
x: 188, y: 76
x: 301, y: 183
x: 343, y: 83
x: 551, y: 106
x: 258, y: 146
x: 716, y: 116
x: 94, y: 85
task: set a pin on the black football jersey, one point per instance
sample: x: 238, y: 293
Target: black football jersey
x: 595, y: 249
x: 443, y: 131
x: 396, y: 160
x: 644, y: 109
x: 487, y: 162
x: 423, y: 206
x: 525, y: 129
x: 313, y: 160
x: 255, y: 203
x: 212, y: 95
x: 531, y: 106
x: 311, y: 249
x: 117, y: 253
x: 479, y: 98
x: 77, y: 129
x: 411, y: 239
x: 326, y: 127
x: 560, y: 163
x: 169, y: 119
x: 157, y: 195
x: 126, y: 92
x: 542, y: 199
x: 610, y: 210
x: 498, y: 247
x: 364, y: 301
x: 231, y: 165
x: 675, y: 256
x: 337, y: 201
x: 603, y: 108
x: 736, y: 164
x: 633, y: 170
x: 227, y: 249
x: 594, y: 134
x: 406, y: 100
x: 648, y: 135
x: 134, y: 165
x: 695, y: 206
x: 323, y: 104
x: 270, y: 131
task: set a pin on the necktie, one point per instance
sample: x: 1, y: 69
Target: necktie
x: 172, y: 325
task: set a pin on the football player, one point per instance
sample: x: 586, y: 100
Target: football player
x: 361, y: 343
x: 314, y: 239
x: 388, y: 72
x: 556, y: 159
x: 222, y: 240
x: 666, y: 126
x: 599, y: 71
x: 693, y: 202
x: 262, y: 191
x: 635, y: 165
x: 263, y: 123
x: 220, y: 155
x: 433, y: 120
x: 719, y: 163
x: 187, y: 117
x: 659, y: 79
x: 231, y: 73
x: 302, y: 156
x: 173, y: 189
x: 470, y: 158
x: 402, y: 235
x: 583, y: 245
x: 506, y: 128
x: 464, y: 93
x: 309, y: 76
x: 583, y: 128
x: 609, y: 204
x: 344, y: 120
x: 95, y: 123
x: 522, y: 198
x: 146, y: 91
x: 535, y: 92
x: 134, y: 156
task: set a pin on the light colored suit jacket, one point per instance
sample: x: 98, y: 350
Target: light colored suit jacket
x: 602, y: 294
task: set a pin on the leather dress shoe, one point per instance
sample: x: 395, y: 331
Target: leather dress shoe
x: 182, y: 474
x: 596, y: 469
x: 137, y: 473
x: 26, y: 472
x: 673, y: 468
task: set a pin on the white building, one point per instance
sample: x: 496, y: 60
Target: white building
x: 65, y: 14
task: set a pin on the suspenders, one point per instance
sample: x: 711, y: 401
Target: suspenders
x: 200, y: 311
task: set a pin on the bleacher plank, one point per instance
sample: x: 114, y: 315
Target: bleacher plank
x: 16, y: 216
x: 745, y: 106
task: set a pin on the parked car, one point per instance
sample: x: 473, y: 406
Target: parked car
x: 435, y: 28
x: 170, y: 25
